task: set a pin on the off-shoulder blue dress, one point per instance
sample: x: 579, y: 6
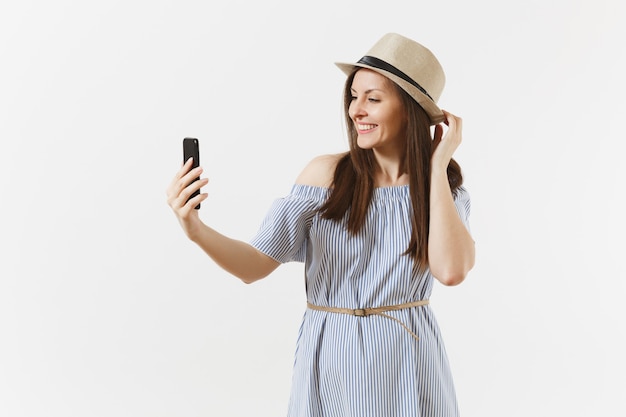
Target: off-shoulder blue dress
x: 349, y: 366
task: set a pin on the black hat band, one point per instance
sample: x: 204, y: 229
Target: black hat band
x: 380, y: 64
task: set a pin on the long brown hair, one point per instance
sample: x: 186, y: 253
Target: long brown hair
x: 353, y: 181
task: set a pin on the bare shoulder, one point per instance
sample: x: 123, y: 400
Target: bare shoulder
x: 319, y: 171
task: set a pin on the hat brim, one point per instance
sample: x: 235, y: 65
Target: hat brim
x: 434, y: 112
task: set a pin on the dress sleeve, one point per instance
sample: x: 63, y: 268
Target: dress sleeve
x: 463, y: 205
x: 284, y: 232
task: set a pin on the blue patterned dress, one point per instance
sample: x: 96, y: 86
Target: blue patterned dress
x: 348, y: 366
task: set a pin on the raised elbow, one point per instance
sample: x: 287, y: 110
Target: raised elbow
x: 451, y: 276
x: 452, y: 270
x: 451, y: 279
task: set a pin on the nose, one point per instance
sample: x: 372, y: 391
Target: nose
x: 357, y: 109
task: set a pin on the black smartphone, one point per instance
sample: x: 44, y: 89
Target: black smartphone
x: 191, y: 149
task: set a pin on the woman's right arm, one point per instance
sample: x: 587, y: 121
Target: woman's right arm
x: 234, y: 256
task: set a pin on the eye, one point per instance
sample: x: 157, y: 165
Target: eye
x: 373, y: 100
x: 352, y: 98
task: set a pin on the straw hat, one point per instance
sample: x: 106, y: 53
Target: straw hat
x: 410, y: 65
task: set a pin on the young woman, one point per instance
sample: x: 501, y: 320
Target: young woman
x: 375, y: 226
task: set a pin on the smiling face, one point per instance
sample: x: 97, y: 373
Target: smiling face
x: 377, y: 112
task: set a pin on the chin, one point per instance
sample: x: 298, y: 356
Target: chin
x: 364, y: 144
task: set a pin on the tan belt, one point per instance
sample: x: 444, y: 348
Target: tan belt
x: 373, y: 311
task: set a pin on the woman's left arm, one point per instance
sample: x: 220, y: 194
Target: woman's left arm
x: 450, y: 246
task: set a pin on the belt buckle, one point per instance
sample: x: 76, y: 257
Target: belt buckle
x: 360, y: 312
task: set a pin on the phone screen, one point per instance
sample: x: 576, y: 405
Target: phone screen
x: 191, y: 149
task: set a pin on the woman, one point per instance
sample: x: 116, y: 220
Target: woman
x: 374, y: 226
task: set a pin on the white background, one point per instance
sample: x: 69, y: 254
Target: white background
x: 106, y: 309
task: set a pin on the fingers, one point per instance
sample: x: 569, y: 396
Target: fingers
x: 182, y: 179
x: 185, y: 194
x: 445, y: 144
x: 183, y: 186
x: 179, y: 175
x: 184, y: 169
x: 189, y: 207
x: 452, y: 121
x: 454, y: 125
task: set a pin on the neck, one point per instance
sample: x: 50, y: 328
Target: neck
x: 390, y: 172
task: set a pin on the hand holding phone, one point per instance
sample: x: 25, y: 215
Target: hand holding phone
x: 191, y: 149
